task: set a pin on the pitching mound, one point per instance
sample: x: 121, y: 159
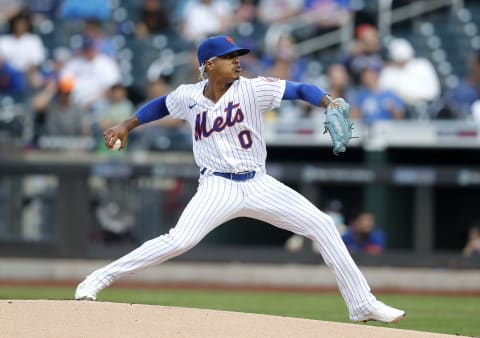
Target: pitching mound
x: 46, y: 318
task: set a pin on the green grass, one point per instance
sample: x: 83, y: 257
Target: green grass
x: 453, y: 315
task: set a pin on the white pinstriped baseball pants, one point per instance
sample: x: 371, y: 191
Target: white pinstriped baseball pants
x: 218, y: 200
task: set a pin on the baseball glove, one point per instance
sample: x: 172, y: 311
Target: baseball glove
x: 338, y: 124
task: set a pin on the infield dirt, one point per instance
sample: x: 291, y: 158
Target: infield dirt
x: 48, y: 318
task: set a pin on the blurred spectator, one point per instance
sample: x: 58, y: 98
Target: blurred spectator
x: 367, y: 51
x: 187, y: 73
x: 50, y: 70
x: 361, y: 235
x: 56, y: 114
x: 278, y: 11
x: 152, y: 19
x: 372, y: 103
x: 46, y: 8
x: 22, y: 49
x: 339, y: 83
x: 460, y: 100
x: 103, y: 44
x: 246, y: 12
x: 93, y: 73
x: 248, y: 31
x: 326, y: 14
x: 202, y: 18
x: 167, y: 133
x: 9, y: 9
x: 157, y: 88
x: 116, y: 108
x: 82, y: 9
x: 12, y: 81
x: 412, y: 78
x: 176, y: 15
x: 472, y: 247
x: 44, y: 12
x: 283, y: 63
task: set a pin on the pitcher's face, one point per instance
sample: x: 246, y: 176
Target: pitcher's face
x: 225, y: 66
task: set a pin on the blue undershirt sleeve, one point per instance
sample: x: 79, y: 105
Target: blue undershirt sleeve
x: 153, y: 110
x: 303, y: 91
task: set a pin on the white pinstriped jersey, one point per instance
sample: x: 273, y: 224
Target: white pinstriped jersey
x: 228, y: 136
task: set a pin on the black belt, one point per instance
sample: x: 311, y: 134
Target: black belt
x: 243, y: 176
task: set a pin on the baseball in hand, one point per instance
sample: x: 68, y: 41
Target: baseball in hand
x: 117, y: 144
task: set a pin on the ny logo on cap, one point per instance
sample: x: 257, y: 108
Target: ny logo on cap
x: 229, y: 39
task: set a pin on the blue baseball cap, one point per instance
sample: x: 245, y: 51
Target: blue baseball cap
x: 217, y: 46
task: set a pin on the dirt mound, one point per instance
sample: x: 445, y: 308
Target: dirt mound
x: 47, y: 318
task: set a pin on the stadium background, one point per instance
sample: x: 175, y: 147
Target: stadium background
x: 67, y: 197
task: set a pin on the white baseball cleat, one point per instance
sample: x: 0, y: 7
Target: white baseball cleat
x: 384, y: 313
x: 85, y: 291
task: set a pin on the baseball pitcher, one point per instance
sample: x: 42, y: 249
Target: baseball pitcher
x: 224, y: 111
